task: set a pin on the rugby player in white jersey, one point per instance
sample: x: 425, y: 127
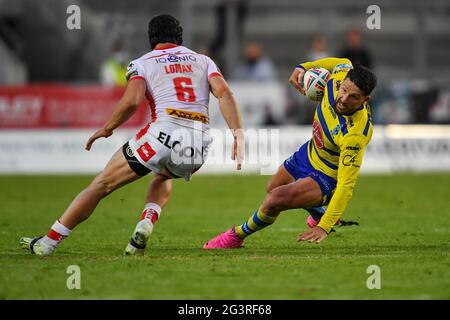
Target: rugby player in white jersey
x: 176, y: 81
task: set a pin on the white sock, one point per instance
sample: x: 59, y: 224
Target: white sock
x: 57, y: 233
x: 151, y: 211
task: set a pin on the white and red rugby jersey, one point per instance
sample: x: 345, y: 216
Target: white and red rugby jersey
x: 177, y: 79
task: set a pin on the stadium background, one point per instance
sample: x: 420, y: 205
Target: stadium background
x: 52, y: 99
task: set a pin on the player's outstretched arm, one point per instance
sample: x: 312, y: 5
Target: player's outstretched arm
x: 315, y: 234
x: 350, y: 160
x: 230, y: 112
x: 125, y: 108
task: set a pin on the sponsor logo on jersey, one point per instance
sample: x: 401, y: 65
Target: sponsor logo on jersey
x: 317, y: 134
x: 172, y: 58
x: 131, y: 74
x: 190, y: 115
x: 131, y: 71
x: 350, y: 122
x: 355, y: 149
x: 176, y: 58
x: 324, y: 181
x: 289, y: 160
x: 165, y: 139
x: 335, y: 130
x: 182, y: 152
x: 349, y: 160
x: 129, y: 152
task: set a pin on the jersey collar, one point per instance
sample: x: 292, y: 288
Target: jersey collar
x: 354, y: 112
x: 165, y: 46
x: 360, y: 108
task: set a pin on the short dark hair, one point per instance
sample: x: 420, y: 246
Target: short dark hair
x: 363, y: 78
x: 164, y: 28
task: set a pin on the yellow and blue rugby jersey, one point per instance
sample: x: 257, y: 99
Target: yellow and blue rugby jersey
x: 338, y: 143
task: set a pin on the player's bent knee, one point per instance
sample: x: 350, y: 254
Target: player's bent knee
x: 108, y: 188
x: 288, y: 197
x: 103, y: 186
x: 273, y: 202
x: 100, y: 188
x: 282, y: 199
x: 272, y: 184
x: 269, y: 187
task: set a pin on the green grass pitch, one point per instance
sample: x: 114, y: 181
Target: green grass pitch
x: 404, y: 228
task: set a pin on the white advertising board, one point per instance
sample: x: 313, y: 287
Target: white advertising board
x: 392, y: 149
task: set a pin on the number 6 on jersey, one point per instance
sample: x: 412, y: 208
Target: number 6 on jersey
x: 184, y: 93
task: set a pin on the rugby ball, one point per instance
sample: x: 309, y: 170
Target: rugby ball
x: 314, y: 82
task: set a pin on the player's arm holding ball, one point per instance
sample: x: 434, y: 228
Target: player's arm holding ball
x: 296, y: 78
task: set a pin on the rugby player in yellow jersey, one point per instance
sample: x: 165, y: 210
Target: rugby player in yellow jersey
x: 321, y: 175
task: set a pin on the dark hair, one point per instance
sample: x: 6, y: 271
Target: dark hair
x: 164, y: 28
x: 363, y: 78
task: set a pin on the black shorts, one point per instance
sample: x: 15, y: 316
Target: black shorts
x: 134, y: 164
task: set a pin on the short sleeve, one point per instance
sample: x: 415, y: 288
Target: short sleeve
x: 135, y: 71
x: 213, y: 70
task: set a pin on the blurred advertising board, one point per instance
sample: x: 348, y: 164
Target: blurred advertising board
x: 392, y: 149
x: 61, y: 106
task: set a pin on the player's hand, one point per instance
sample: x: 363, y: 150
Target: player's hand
x: 315, y: 234
x: 296, y: 79
x: 101, y: 133
x: 237, y: 151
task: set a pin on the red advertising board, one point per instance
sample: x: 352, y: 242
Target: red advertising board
x: 62, y: 106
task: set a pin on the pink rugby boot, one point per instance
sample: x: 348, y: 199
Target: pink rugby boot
x: 315, y: 214
x: 311, y: 222
x: 226, y: 240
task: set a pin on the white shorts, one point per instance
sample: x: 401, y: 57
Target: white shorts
x: 164, y: 146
